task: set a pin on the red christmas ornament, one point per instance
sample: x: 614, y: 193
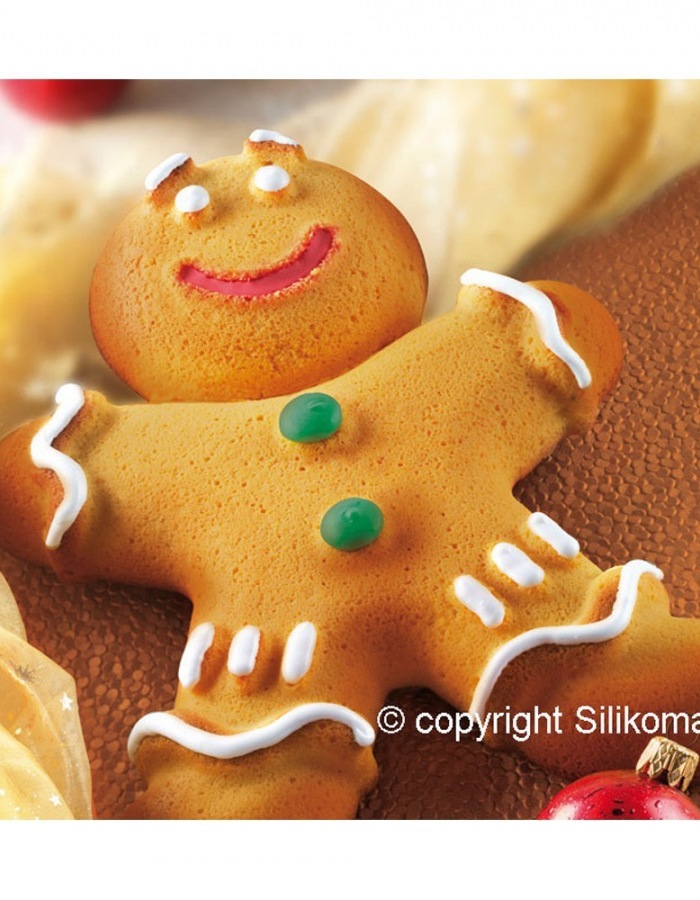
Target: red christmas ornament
x: 633, y: 795
x: 63, y: 101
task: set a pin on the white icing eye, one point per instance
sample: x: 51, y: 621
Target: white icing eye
x: 271, y: 179
x: 192, y: 199
x: 262, y: 134
x: 162, y: 170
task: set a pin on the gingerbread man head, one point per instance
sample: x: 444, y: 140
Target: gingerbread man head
x: 253, y: 276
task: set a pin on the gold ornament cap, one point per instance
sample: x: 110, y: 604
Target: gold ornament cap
x: 664, y: 757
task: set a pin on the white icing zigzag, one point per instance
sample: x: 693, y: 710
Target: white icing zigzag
x: 588, y: 633
x: 542, y: 309
x: 70, y: 399
x: 231, y: 746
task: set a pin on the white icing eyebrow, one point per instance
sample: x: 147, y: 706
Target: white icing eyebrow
x: 566, y: 635
x: 199, y: 641
x: 70, y: 399
x: 542, y: 309
x: 263, y: 134
x: 479, y: 599
x: 243, y: 651
x: 548, y: 531
x: 299, y: 652
x: 162, y: 170
x: 271, y: 179
x: 517, y: 565
x: 192, y: 199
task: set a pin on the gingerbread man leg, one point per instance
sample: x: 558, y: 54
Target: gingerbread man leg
x: 612, y: 695
x: 260, y: 729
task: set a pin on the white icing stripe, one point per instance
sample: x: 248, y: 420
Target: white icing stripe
x: 516, y: 565
x: 545, y: 315
x: 70, y: 399
x: 588, y: 633
x: 163, y: 170
x: 263, y: 134
x: 299, y: 652
x: 231, y: 746
x: 200, y: 640
x: 479, y: 600
x: 243, y: 651
x: 547, y: 530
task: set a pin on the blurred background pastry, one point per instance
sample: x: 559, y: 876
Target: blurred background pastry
x: 44, y: 768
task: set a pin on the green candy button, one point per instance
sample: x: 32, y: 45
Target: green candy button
x: 310, y: 418
x: 352, y: 524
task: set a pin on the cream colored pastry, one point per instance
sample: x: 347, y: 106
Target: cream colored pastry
x: 44, y: 769
x: 58, y: 204
x: 486, y: 171
x: 10, y: 618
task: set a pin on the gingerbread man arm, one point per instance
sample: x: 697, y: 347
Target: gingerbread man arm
x: 565, y: 355
x: 43, y: 490
x: 67, y: 490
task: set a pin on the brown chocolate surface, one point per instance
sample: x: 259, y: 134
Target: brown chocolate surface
x: 629, y: 488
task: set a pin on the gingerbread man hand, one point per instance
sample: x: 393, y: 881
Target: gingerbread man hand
x: 342, y: 543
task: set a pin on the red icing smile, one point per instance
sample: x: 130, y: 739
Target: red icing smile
x: 302, y: 262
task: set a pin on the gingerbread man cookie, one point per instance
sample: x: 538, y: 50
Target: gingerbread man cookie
x: 347, y: 541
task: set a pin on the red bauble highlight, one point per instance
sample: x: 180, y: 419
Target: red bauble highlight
x: 620, y: 795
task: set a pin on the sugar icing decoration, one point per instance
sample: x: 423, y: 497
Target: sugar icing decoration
x: 200, y: 640
x: 516, y: 565
x: 545, y: 315
x: 231, y: 746
x: 158, y: 175
x: 271, y: 179
x: 70, y: 400
x: 479, y: 599
x: 299, y: 652
x: 566, y: 635
x: 192, y: 199
x: 243, y: 652
x: 309, y: 255
x: 553, y: 534
x: 263, y: 134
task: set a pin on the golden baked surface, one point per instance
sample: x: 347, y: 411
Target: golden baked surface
x: 624, y: 489
x: 291, y: 272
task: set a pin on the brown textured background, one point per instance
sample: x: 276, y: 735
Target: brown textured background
x: 628, y: 488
